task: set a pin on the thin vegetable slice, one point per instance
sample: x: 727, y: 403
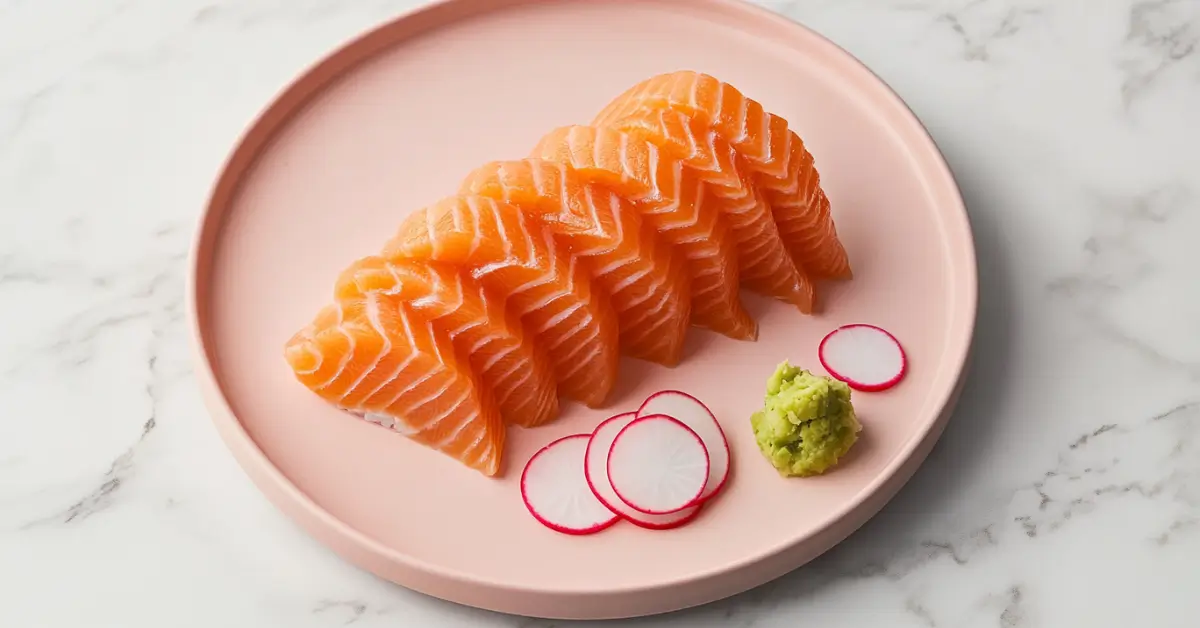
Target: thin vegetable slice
x: 866, y: 357
x: 694, y: 414
x: 657, y: 465
x: 596, y: 470
x: 556, y: 491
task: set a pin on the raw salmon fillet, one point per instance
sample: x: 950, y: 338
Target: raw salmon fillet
x: 672, y: 199
x: 763, y: 260
x: 517, y: 372
x: 783, y: 167
x: 646, y: 282
x: 519, y: 261
x: 368, y: 356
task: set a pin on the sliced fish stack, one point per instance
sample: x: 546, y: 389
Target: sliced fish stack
x: 608, y: 239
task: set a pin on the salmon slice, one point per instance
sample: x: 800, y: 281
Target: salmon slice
x: 783, y: 167
x: 516, y: 372
x: 369, y: 356
x: 646, y: 282
x: 802, y: 211
x: 672, y: 199
x: 518, y: 260
x: 763, y: 260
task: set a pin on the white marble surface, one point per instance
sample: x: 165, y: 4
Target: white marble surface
x: 1066, y: 491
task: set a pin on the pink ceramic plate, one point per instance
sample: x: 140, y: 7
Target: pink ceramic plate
x: 393, y: 121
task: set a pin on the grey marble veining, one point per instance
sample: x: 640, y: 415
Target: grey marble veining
x: 1066, y: 492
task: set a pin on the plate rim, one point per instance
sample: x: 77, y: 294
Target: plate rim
x: 367, y: 553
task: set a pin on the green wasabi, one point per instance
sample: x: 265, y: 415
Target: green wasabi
x: 807, y: 422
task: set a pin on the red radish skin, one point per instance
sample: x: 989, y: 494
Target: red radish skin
x: 550, y: 469
x: 861, y: 383
x: 678, y: 519
x: 596, y: 472
x: 658, y: 465
x: 695, y: 414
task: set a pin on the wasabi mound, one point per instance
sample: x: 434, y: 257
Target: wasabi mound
x: 807, y: 423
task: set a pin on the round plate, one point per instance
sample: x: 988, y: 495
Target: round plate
x: 393, y: 121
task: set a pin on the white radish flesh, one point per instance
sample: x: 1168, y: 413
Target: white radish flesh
x: 596, y: 470
x: 556, y: 492
x: 658, y: 465
x: 691, y: 412
x: 866, y: 357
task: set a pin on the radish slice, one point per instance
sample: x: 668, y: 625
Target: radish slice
x: 596, y: 470
x: 658, y: 465
x: 556, y: 491
x: 691, y: 412
x: 866, y: 357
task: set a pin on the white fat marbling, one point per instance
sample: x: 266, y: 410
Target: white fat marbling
x: 1066, y: 491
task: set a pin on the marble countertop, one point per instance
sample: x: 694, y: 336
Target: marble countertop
x: 1065, y: 492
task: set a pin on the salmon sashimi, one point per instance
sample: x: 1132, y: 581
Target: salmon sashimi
x: 802, y: 211
x: 672, y: 199
x: 532, y: 279
x: 783, y: 167
x: 368, y: 356
x: 645, y: 281
x: 519, y: 261
x: 763, y: 260
x: 517, y: 372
